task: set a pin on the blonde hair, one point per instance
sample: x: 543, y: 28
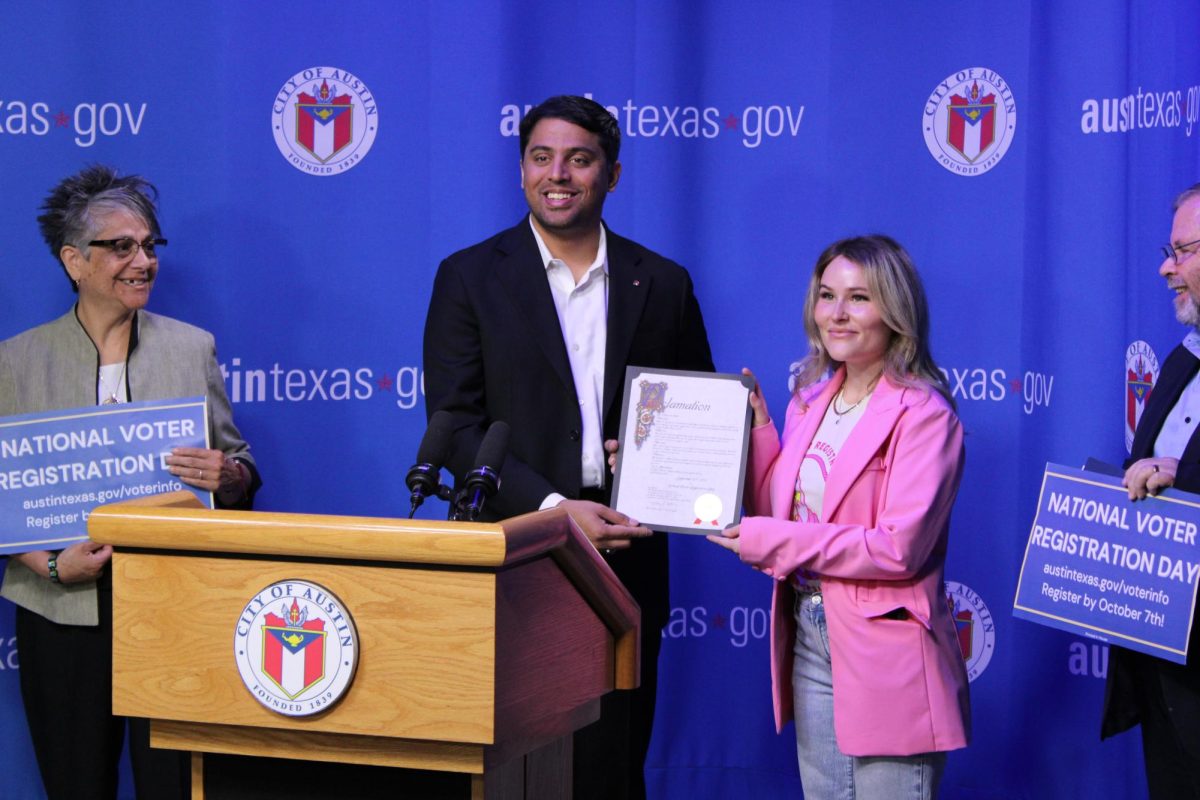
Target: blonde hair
x: 896, y: 290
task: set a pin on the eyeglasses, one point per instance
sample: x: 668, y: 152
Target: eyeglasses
x: 125, y: 247
x: 1178, y: 254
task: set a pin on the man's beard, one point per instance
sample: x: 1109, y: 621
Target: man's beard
x: 1189, y: 313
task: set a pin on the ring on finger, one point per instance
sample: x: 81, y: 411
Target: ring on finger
x: 1155, y: 467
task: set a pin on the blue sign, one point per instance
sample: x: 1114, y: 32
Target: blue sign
x: 55, y: 467
x: 1102, y: 566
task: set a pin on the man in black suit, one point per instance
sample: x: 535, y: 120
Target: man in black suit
x: 1162, y: 695
x: 535, y: 326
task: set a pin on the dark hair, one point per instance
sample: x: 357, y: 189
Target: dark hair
x: 73, y: 210
x: 896, y: 289
x: 587, y: 114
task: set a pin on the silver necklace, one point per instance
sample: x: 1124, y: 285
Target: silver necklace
x: 110, y: 398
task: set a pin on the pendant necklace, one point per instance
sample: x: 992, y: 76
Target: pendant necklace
x: 110, y: 398
x: 841, y: 412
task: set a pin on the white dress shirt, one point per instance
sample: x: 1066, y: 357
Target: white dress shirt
x: 583, y: 316
x: 1183, y: 419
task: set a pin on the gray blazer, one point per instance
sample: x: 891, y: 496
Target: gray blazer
x: 56, y: 365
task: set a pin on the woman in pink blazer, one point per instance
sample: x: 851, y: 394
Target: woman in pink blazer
x: 864, y: 652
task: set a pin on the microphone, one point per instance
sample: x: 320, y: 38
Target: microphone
x: 484, y: 480
x: 424, y: 479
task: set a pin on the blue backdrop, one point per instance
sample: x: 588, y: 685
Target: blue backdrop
x: 755, y: 134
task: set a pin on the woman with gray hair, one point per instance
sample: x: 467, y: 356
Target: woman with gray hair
x: 103, y: 229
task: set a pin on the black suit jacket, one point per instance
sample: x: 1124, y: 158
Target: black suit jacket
x: 1180, y: 682
x: 494, y: 350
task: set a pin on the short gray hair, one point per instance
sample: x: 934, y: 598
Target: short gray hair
x: 73, y: 209
x: 1185, y: 195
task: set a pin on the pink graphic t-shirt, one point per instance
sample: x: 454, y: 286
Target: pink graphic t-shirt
x: 809, y: 497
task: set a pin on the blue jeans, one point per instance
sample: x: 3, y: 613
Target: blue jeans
x: 825, y: 772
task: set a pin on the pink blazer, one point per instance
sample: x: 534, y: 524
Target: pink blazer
x: 899, y: 683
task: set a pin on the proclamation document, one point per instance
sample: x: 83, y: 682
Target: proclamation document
x: 684, y: 439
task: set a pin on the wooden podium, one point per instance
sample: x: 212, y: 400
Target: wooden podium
x: 482, y: 647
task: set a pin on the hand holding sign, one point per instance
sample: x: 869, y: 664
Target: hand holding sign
x: 1149, y: 476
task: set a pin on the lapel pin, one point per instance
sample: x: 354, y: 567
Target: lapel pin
x: 637, y: 283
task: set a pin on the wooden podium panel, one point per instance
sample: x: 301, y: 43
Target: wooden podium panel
x: 478, y: 644
x: 426, y: 641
